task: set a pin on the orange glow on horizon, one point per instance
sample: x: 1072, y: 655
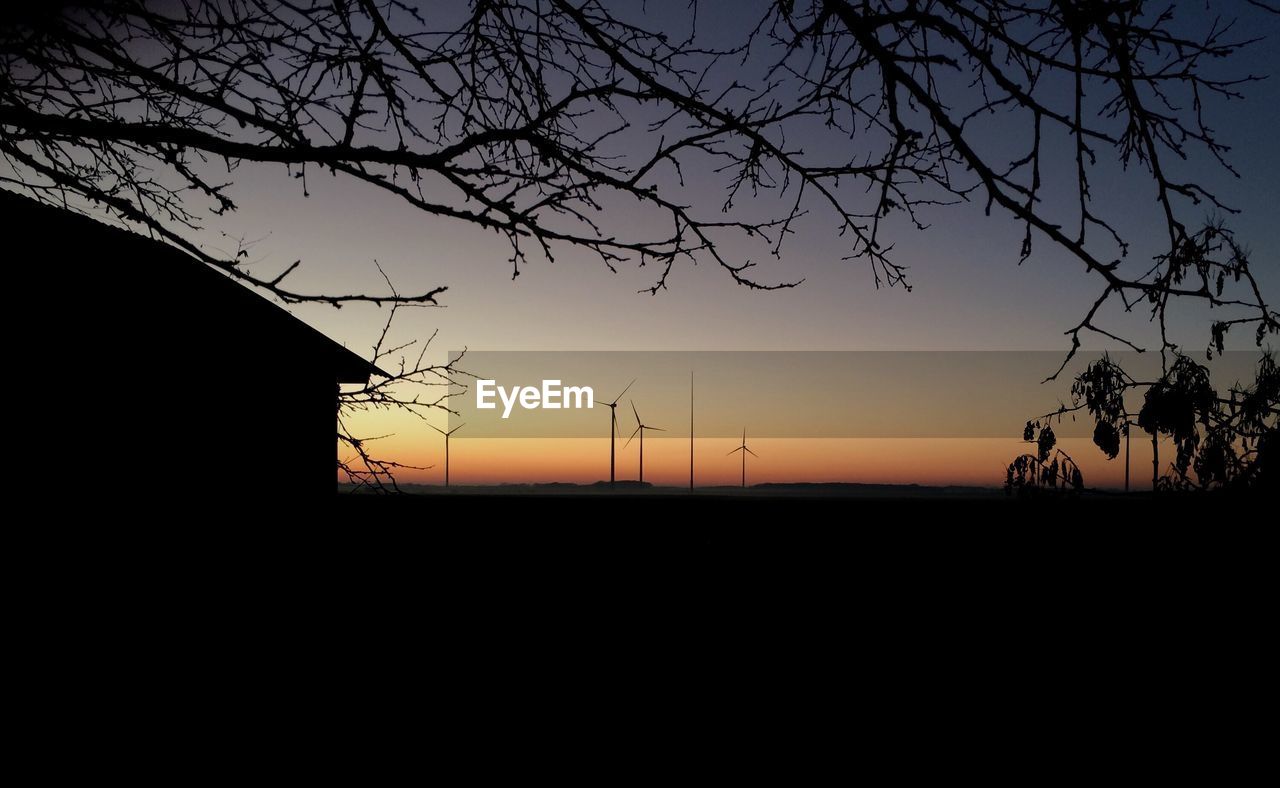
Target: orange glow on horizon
x: 926, y: 461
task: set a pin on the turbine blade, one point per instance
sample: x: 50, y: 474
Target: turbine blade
x: 735, y: 451
x: 455, y: 429
x: 753, y: 454
x: 633, y: 435
x: 633, y: 410
x: 655, y: 429
x: 437, y: 429
x: 624, y: 391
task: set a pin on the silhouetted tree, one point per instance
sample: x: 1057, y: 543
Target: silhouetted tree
x: 534, y: 117
x: 1048, y: 470
x: 412, y: 385
x: 1221, y: 442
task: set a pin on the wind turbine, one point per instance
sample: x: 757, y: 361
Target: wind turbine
x: 613, y: 428
x: 745, y: 451
x: 690, y: 430
x: 640, y: 428
x: 446, y: 447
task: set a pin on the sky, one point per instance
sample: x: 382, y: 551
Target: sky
x: 968, y: 293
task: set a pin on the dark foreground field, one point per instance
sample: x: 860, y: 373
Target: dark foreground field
x: 816, y: 523
x: 1102, y: 563
x: 944, y: 588
x: 955, y: 566
x: 890, y: 542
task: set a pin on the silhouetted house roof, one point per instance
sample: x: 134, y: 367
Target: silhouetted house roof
x: 101, y: 266
x: 151, y: 370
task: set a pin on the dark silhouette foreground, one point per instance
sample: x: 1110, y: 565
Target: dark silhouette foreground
x: 157, y: 372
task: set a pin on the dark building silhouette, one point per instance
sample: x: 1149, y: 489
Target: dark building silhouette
x: 153, y: 370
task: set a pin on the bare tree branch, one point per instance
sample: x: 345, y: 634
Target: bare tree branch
x: 548, y: 121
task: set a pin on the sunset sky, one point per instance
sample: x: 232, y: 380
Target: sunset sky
x: 969, y: 293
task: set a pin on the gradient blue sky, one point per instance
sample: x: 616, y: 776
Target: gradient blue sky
x: 969, y: 292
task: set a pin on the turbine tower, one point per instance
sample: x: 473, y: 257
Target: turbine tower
x: 446, y: 447
x: 745, y: 451
x: 640, y: 428
x: 690, y: 430
x: 613, y: 429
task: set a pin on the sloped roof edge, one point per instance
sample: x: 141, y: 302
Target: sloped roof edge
x: 349, y: 367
